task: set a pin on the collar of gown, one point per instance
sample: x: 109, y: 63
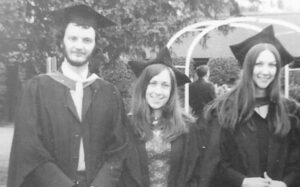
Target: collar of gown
x: 68, y: 77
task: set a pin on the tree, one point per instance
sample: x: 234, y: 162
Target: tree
x: 142, y: 25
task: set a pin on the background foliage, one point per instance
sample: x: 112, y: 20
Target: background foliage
x: 223, y: 70
x: 27, y: 35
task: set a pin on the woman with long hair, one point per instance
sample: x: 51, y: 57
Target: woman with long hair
x: 164, y: 148
x: 259, y: 136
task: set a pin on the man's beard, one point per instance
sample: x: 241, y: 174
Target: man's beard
x: 75, y: 63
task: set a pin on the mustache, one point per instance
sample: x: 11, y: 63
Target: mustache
x: 78, y: 52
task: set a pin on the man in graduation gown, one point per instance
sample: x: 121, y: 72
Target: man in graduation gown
x: 69, y: 127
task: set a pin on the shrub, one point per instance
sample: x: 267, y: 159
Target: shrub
x: 223, y: 70
x: 294, y: 92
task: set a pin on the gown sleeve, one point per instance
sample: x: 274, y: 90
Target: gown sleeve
x: 30, y: 162
x: 292, y: 169
x: 227, y: 146
x: 110, y: 172
x: 211, y: 157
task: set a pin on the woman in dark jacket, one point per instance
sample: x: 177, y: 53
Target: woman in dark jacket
x: 165, y: 148
x: 259, y: 136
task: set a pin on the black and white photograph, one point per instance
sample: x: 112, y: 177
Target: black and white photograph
x: 150, y: 93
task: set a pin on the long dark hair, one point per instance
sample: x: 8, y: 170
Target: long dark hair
x: 174, y: 118
x: 237, y: 106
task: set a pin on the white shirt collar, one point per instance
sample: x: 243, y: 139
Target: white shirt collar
x: 75, y: 73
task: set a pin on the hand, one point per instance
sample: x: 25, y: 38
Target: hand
x: 266, y: 176
x: 255, y: 182
x: 274, y: 183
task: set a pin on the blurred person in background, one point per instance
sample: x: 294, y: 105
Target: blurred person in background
x: 201, y: 91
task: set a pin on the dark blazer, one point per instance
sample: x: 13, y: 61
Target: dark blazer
x: 187, y: 152
x: 200, y: 94
x: 47, y: 134
x: 239, y: 154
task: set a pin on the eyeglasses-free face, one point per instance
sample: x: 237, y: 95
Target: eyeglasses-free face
x: 264, y: 70
x: 158, y: 90
x: 78, y: 44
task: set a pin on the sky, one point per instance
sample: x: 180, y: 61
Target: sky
x: 270, y: 6
x: 218, y: 44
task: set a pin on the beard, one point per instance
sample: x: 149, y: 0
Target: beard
x: 73, y: 62
x: 76, y: 63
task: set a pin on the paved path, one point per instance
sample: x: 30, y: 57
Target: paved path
x: 6, y: 133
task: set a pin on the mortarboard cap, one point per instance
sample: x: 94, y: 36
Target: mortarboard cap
x: 164, y: 58
x: 81, y: 13
x: 265, y: 36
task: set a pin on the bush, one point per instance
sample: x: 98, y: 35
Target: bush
x: 122, y: 77
x: 223, y: 70
x: 294, y: 92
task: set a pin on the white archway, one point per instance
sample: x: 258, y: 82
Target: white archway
x: 233, y: 22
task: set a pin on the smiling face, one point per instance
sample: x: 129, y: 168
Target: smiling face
x: 264, y: 71
x: 78, y: 44
x: 158, y: 90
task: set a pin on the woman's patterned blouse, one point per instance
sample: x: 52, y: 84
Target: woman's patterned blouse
x: 158, y: 152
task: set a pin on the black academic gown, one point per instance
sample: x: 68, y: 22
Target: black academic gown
x: 47, y: 134
x: 240, y: 153
x: 187, y: 152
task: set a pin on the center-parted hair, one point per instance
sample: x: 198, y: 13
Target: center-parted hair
x: 174, y: 119
x: 237, y: 106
